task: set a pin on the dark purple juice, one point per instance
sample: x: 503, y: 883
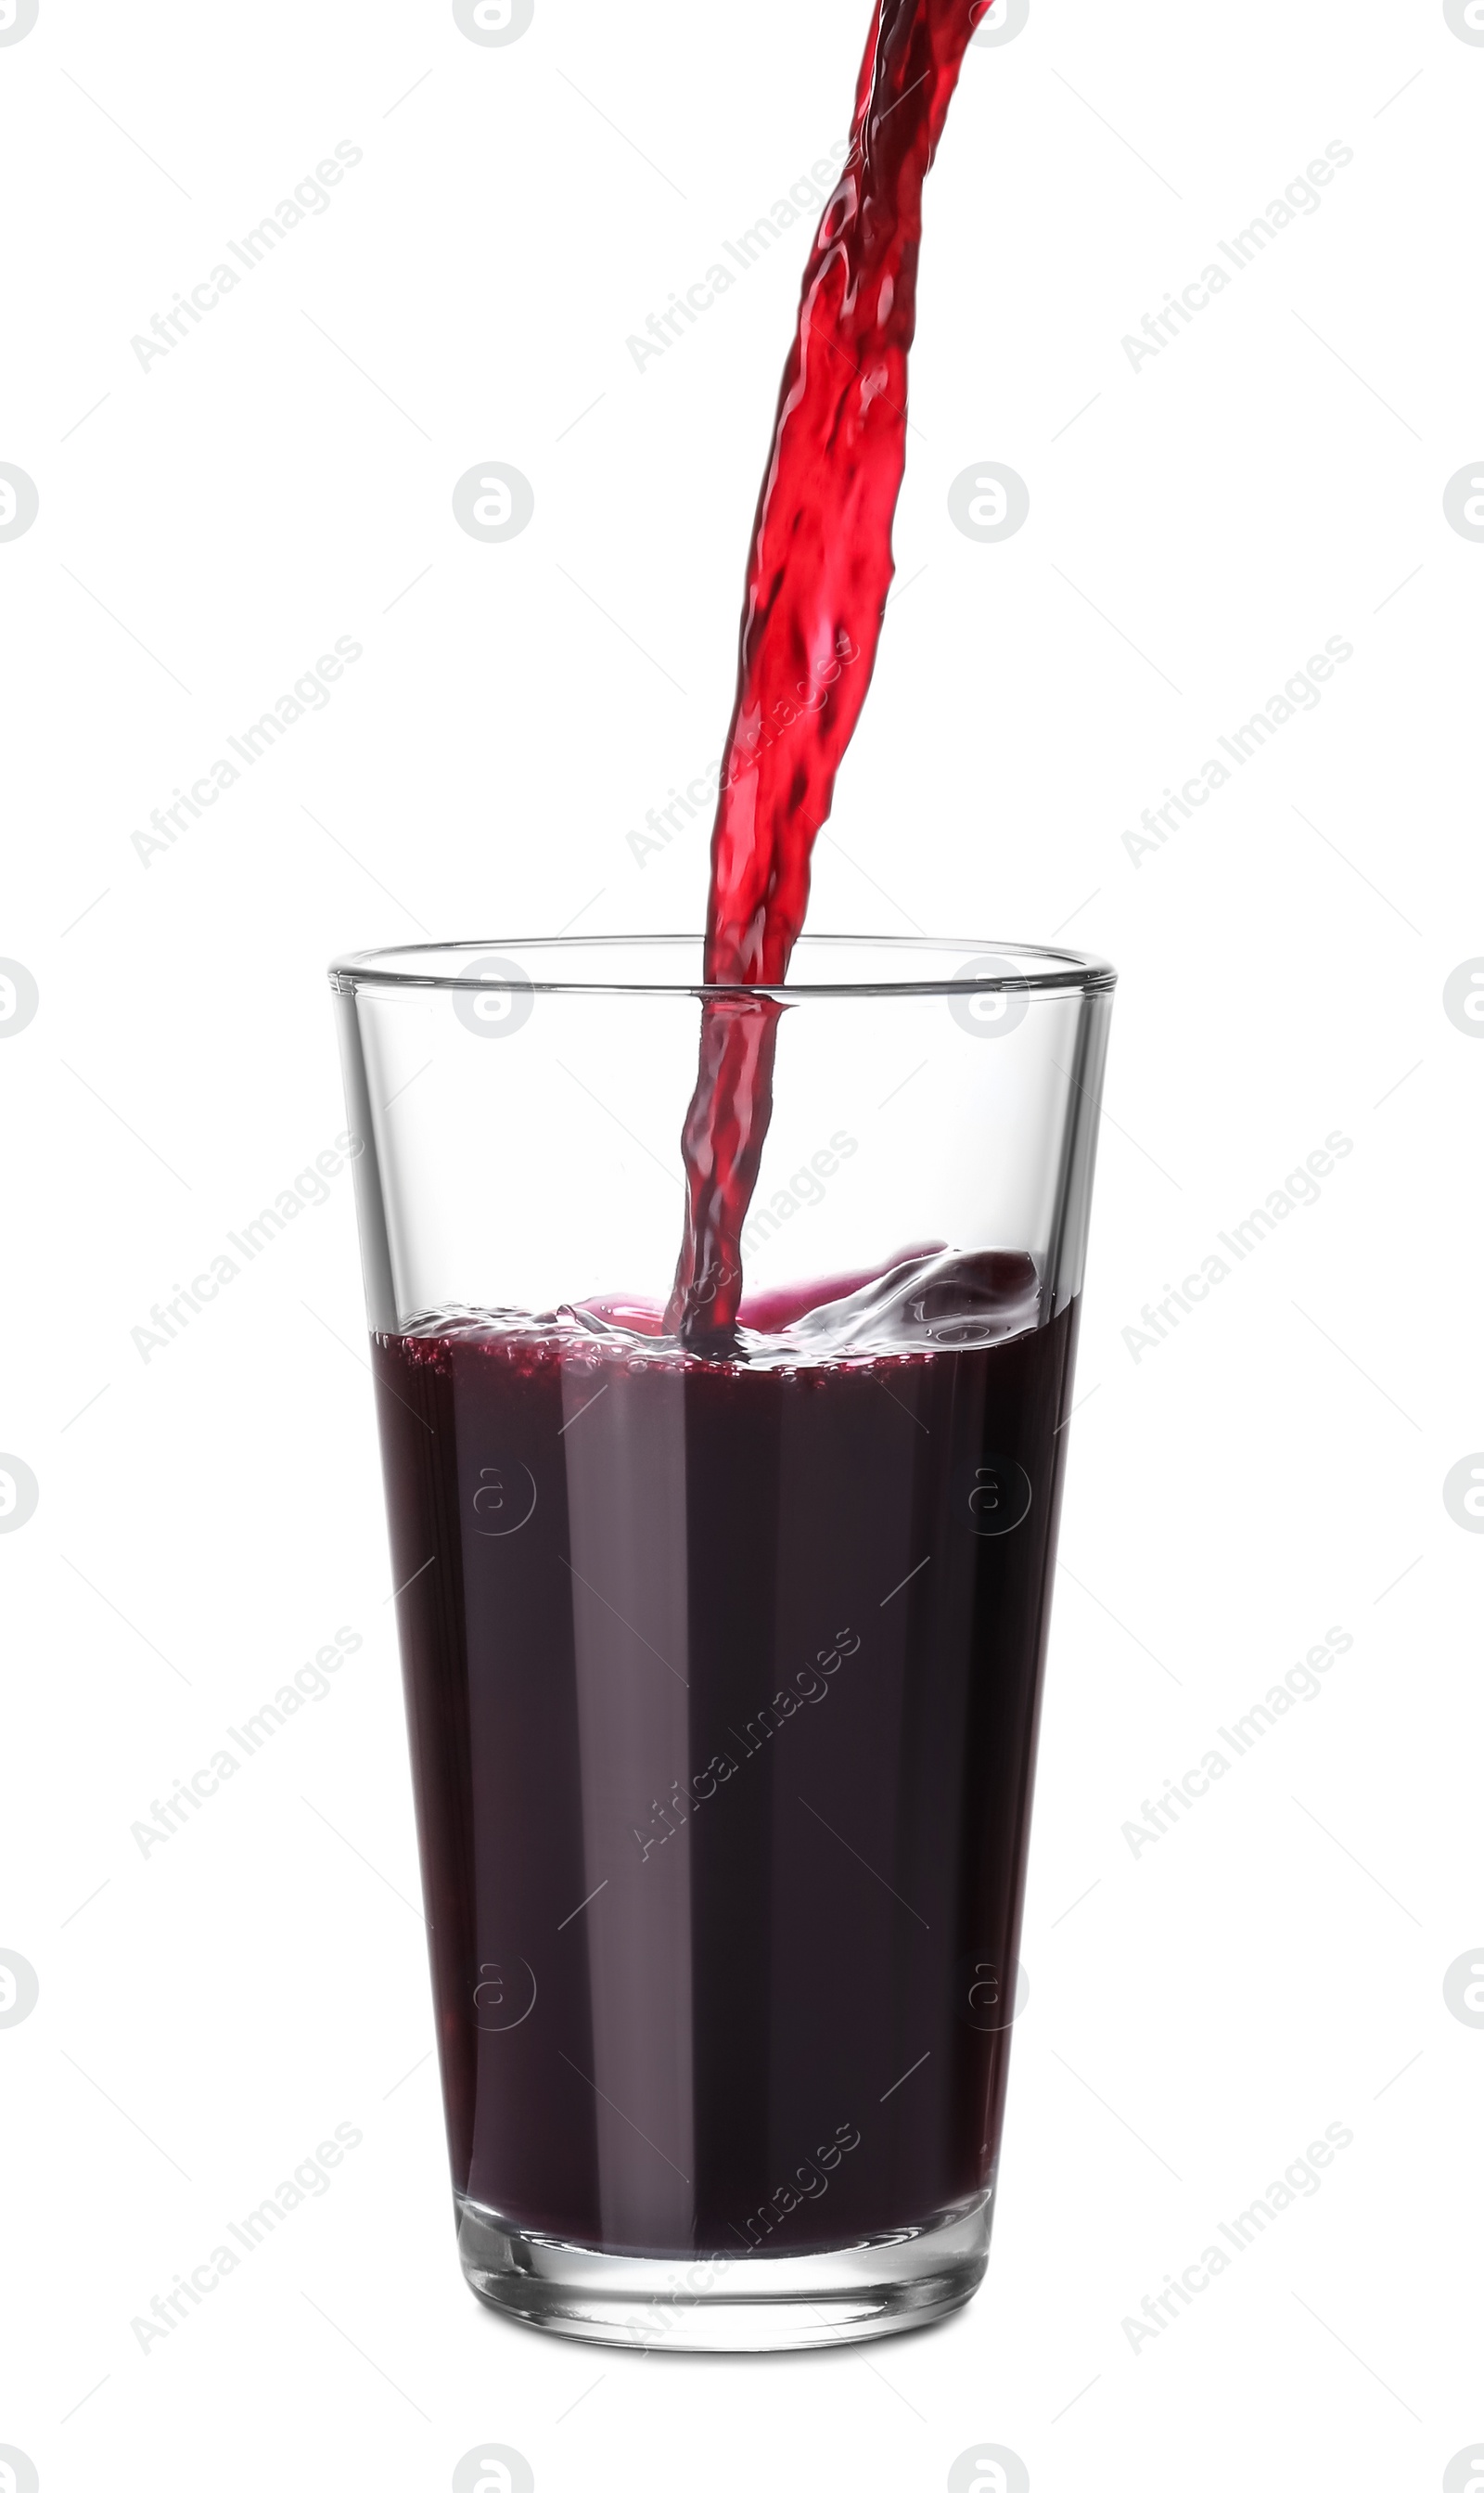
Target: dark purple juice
x: 723, y: 1680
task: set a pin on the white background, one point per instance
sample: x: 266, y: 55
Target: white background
x: 206, y: 1519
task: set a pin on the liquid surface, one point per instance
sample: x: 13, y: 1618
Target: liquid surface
x: 926, y: 1299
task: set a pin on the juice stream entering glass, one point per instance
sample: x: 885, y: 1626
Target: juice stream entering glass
x: 817, y: 579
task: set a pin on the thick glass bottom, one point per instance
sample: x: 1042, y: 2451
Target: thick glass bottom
x: 766, y: 2303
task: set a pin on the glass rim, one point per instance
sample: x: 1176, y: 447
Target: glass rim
x: 1049, y: 969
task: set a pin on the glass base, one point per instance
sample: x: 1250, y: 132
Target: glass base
x: 766, y: 2303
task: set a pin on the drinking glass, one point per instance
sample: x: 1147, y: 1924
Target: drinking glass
x: 723, y: 1669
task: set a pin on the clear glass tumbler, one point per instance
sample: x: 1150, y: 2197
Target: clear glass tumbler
x: 723, y: 1673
